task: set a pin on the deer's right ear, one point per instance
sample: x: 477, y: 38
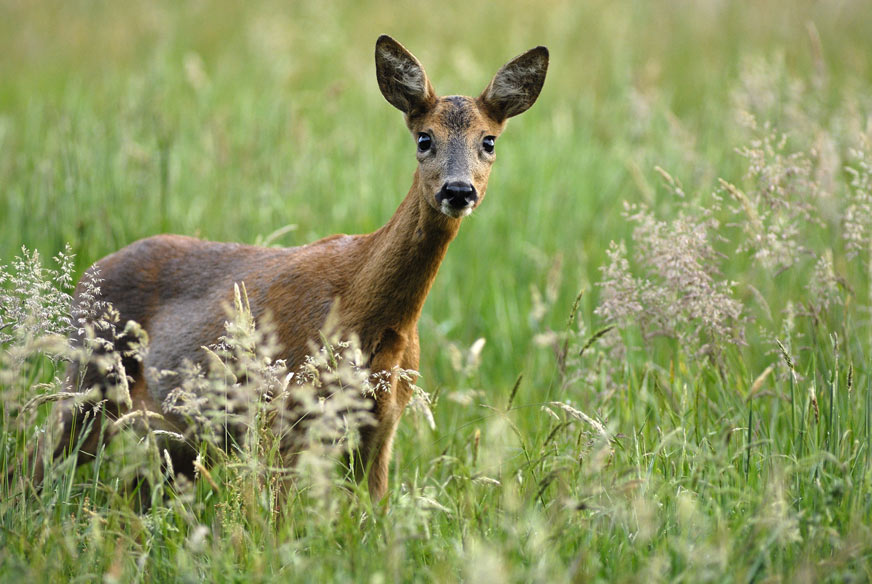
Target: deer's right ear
x: 401, y: 78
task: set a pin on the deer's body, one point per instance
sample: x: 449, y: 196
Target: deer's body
x: 176, y: 287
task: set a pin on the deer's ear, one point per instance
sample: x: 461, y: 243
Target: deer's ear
x: 516, y: 85
x: 401, y: 78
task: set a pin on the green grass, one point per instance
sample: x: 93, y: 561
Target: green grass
x: 230, y: 121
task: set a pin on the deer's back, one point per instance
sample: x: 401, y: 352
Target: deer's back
x: 177, y: 288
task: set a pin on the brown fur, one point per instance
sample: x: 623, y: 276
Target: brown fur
x: 176, y: 286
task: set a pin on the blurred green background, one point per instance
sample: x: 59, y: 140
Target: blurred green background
x: 230, y: 120
x: 233, y: 120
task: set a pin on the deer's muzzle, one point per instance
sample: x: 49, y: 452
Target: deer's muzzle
x: 456, y: 198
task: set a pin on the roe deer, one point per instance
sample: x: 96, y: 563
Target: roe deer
x: 175, y: 287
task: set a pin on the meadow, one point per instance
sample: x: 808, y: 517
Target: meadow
x: 647, y: 355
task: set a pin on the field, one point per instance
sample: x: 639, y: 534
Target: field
x: 647, y: 354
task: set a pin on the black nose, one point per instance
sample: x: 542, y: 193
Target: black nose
x: 458, y: 194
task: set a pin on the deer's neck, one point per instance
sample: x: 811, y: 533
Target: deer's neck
x: 400, y: 263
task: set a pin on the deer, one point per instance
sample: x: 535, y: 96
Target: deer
x: 176, y: 286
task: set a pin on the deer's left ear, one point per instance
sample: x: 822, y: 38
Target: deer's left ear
x: 516, y: 85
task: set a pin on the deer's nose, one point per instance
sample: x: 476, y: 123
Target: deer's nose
x: 459, y: 195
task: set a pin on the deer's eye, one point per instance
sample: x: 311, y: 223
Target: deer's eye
x: 424, y: 142
x: 488, y: 144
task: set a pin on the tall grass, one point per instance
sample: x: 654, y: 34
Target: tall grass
x: 647, y: 354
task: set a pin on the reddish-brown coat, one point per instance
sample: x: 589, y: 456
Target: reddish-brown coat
x: 176, y: 286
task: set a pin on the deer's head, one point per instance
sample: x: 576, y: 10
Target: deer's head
x: 455, y: 135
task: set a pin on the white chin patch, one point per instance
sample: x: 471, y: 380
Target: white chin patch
x: 455, y: 213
